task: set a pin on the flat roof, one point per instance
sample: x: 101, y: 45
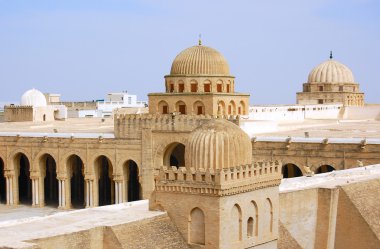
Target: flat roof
x: 87, y: 126
x: 327, y: 129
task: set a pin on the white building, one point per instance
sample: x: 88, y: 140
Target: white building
x: 113, y: 101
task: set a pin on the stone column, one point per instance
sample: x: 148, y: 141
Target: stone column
x: 35, y: 191
x: 118, y: 191
x: 62, y: 193
x: 9, y: 189
x: 89, y: 192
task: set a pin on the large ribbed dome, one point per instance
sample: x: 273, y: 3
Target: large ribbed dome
x: 218, y: 144
x: 200, y: 60
x: 331, y: 71
x: 34, y: 98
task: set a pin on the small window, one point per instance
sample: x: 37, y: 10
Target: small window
x: 320, y: 88
x: 181, y: 88
x: 320, y: 101
x: 194, y: 88
x: 182, y: 109
x: 340, y: 88
x: 200, y: 110
x: 171, y: 88
x: 228, y: 88
x: 207, y: 88
x: 219, y: 88
x: 165, y: 109
x: 129, y: 100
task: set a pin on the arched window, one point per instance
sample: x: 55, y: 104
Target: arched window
x: 181, y: 86
x: 197, y: 227
x: 291, y: 170
x: 199, y: 108
x: 236, y: 223
x: 163, y: 107
x: 193, y: 86
x: 232, y: 108
x: 221, y: 107
x: 242, y: 110
x: 181, y: 107
x: 207, y: 86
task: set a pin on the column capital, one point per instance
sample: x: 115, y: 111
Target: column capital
x: 118, y: 178
x: 89, y: 177
x: 34, y: 174
x: 9, y: 173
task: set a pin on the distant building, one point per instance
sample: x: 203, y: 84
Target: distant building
x: 331, y: 82
x: 34, y: 107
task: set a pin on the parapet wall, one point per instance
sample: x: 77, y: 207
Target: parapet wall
x: 219, y: 182
x: 130, y: 125
x: 295, y: 112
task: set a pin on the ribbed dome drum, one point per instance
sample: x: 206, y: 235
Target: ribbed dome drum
x: 218, y: 144
x: 200, y: 60
x: 331, y: 71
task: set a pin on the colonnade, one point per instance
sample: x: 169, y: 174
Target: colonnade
x: 73, y: 188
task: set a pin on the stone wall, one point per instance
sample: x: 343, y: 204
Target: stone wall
x: 333, y: 217
x: 338, y: 153
x: 158, y: 232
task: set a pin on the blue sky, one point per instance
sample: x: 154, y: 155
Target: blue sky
x: 85, y: 49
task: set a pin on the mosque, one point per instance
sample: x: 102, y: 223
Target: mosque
x: 207, y: 160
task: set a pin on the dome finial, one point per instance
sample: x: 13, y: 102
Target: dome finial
x: 331, y: 56
x: 200, y: 40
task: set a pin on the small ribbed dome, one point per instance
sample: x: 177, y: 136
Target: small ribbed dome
x: 331, y: 71
x: 218, y: 144
x: 34, y: 98
x: 200, y: 60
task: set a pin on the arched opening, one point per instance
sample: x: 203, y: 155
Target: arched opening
x: 236, y: 223
x: 197, y: 227
x: 3, y: 191
x: 269, y: 215
x: 174, y: 155
x: 242, y: 108
x: 180, y: 107
x: 291, y: 170
x: 131, y: 179
x: 75, y: 168
x: 193, y: 86
x: 44, y: 117
x: 48, y: 170
x: 324, y: 169
x: 22, y: 166
x: 106, y: 188
x: 207, y: 86
x: 231, y: 108
x: 221, y: 108
x: 163, y: 107
x: 199, y: 108
x: 250, y: 227
x: 255, y: 221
